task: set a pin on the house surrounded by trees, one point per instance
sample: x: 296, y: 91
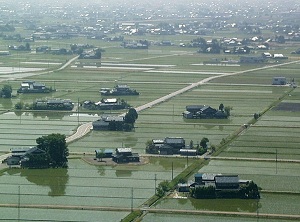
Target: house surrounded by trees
x: 204, y: 112
x: 210, y: 186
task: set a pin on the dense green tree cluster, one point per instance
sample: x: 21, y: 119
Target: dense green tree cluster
x: 151, y: 148
x: 56, y: 149
x: 6, y: 91
x: 204, y: 192
x: 162, y: 188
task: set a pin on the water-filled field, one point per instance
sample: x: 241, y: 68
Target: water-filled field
x: 85, y: 185
x: 274, y: 136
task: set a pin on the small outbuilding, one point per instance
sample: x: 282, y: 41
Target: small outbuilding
x: 279, y: 81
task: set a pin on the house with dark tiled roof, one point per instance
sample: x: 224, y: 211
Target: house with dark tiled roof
x: 105, y: 121
x: 125, y: 155
x: 33, y: 87
x: 20, y: 156
x: 203, y: 112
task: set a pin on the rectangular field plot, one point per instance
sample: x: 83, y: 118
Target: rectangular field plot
x: 22, y: 130
x: 270, y: 135
x: 87, y: 185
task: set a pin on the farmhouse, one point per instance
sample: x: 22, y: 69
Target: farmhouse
x: 105, y: 121
x: 210, y: 185
x: 53, y: 104
x: 125, y: 155
x: 279, y: 81
x: 279, y: 56
x: 33, y: 87
x: 167, y: 146
x: 118, y: 90
x: 105, y: 104
x: 203, y: 112
x: 227, y: 182
x: 20, y: 156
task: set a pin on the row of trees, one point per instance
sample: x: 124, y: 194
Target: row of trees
x: 201, y: 147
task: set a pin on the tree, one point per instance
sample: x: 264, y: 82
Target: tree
x: 162, y: 188
x: 131, y: 116
x: 19, y: 105
x: 6, y: 91
x: 249, y: 191
x: 221, y: 107
x: 27, y: 47
x: 204, y: 192
x: 98, y: 53
x: 56, y: 149
x: 151, y: 148
x: 203, y: 142
x: 227, y: 110
x: 191, y: 144
x: 215, y: 46
x: 256, y: 115
x: 100, y: 155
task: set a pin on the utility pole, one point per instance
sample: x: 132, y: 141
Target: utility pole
x: 78, y: 111
x: 276, y: 161
x: 19, y: 202
x: 187, y: 159
x: 172, y: 170
x: 155, y: 184
x: 131, y: 199
x: 257, y: 212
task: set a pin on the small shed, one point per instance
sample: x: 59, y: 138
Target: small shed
x: 188, y: 152
x: 107, y: 153
x: 188, y: 115
x: 198, y: 178
x: 183, y: 187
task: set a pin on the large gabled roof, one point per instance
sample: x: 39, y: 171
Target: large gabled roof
x: 227, y: 179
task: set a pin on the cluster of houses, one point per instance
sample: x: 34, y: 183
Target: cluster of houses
x: 203, y: 112
x: 121, y: 155
x: 218, y: 181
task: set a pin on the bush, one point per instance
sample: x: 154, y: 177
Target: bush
x: 19, y: 105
